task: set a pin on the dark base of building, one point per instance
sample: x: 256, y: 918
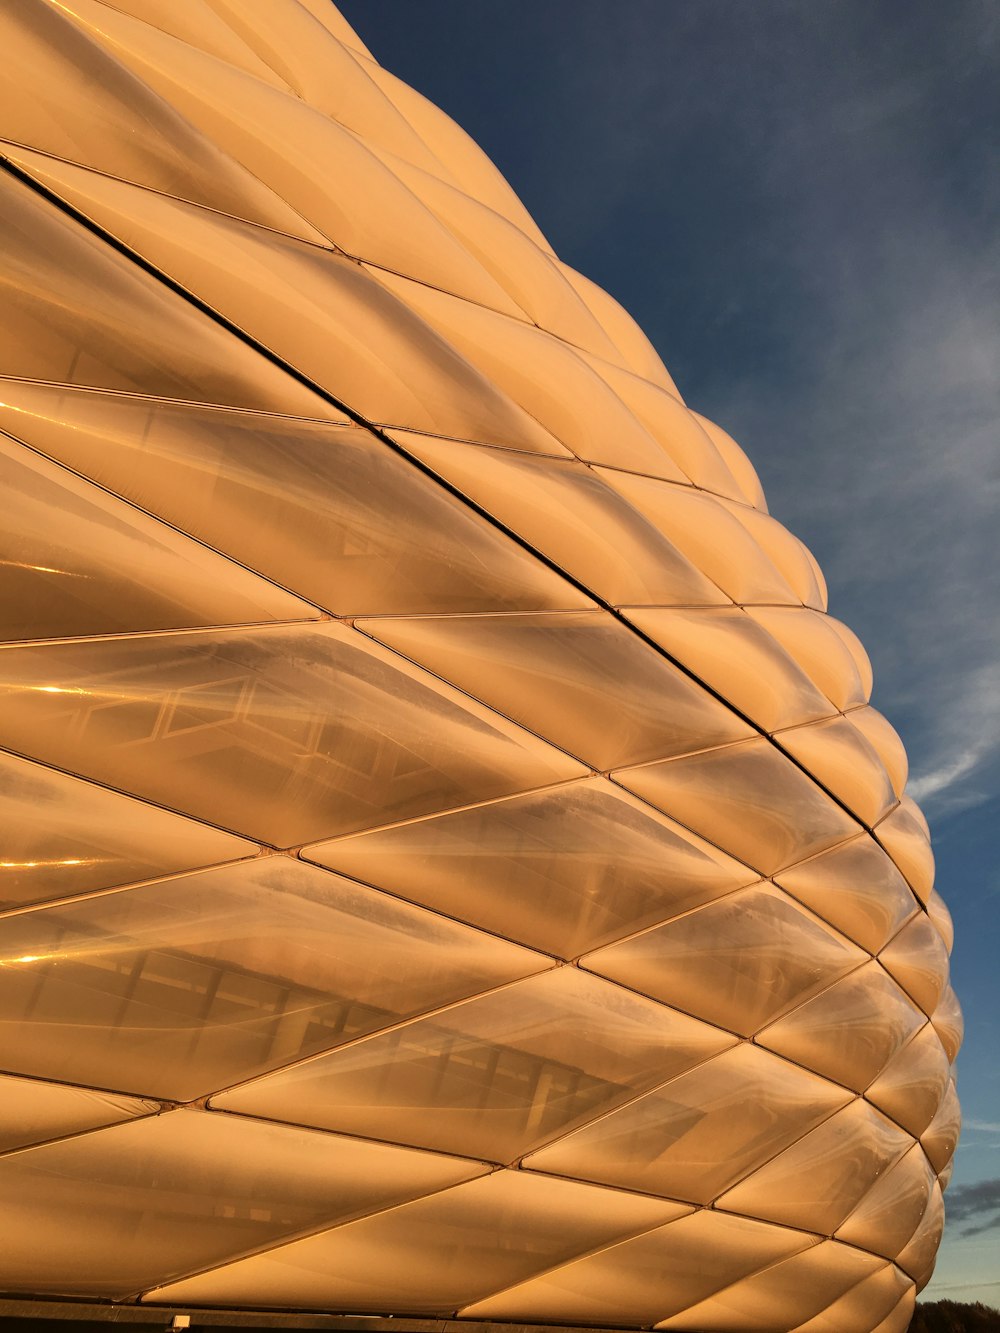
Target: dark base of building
x: 58, y: 1316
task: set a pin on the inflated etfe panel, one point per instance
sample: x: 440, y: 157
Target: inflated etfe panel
x: 450, y: 863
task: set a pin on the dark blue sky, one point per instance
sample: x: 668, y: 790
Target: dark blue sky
x: 799, y: 203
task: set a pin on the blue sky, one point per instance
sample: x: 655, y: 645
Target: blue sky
x: 799, y: 203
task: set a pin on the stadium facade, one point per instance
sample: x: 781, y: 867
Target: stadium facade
x: 450, y: 864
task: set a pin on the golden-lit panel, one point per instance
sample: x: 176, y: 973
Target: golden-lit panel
x: 436, y: 1254
x: 552, y: 383
x: 563, y: 677
x: 698, y: 1134
x: 904, y: 836
x: 940, y: 1138
x: 321, y: 313
x: 912, y: 1085
x: 918, y: 960
x: 106, y: 568
x: 875, y: 1297
x: 493, y: 1077
x: 139, y: 1204
x: 837, y: 754
x: 738, y: 962
x: 819, y: 1180
x: 32, y: 1111
x: 890, y: 1213
x: 815, y: 642
x: 709, y: 535
x: 851, y: 1031
x: 449, y: 864
x: 793, y: 1289
x: 100, y: 114
x: 650, y: 1278
x: 77, y: 314
x: 564, y: 510
x: 739, y: 660
x: 346, y: 522
x: 855, y: 887
x: 563, y: 870
x: 756, y: 804
x: 287, y: 735
x: 62, y: 837
x: 180, y: 987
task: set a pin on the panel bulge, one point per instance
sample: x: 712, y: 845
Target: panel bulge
x: 294, y: 149
x: 107, y: 568
x: 64, y: 837
x: 435, y: 1254
x: 235, y: 717
x: 563, y: 869
x: 164, y: 994
x: 492, y: 1077
x: 146, y: 1201
x: 327, y: 322
x: 325, y: 527
x: 582, y: 680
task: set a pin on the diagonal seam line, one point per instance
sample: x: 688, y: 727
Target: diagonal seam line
x: 217, y: 317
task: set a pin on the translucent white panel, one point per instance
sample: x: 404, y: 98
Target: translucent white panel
x: 639, y: 354
x: 787, y: 553
x: 884, y: 739
x: 701, y: 1132
x: 328, y: 510
x: 912, y: 1085
x: 325, y: 173
x: 738, y: 962
x: 32, y: 1111
x: 816, y: 1182
x: 937, y: 910
x: 838, y: 755
x: 940, y: 1138
x: 888, y: 1215
x: 948, y: 1022
x: 434, y: 1255
x: 677, y: 431
x: 111, y: 1213
x: 564, y: 510
x: 97, y: 112
x: 581, y: 680
x: 60, y: 836
x: 736, y: 461
x: 918, y: 960
x: 918, y: 1258
x: 742, y: 662
x: 903, y: 834
x: 81, y: 313
x: 493, y: 1077
x: 901, y: 1317
x: 289, y: 735
x: 856, y: 888
x: 105, y: 568
x: 563, y: 870
x: 178, y: 988
x: 849, y: 1032
x: 792, y: 1290
x: 322, y: 313
x: 706, y: 532
x: 872, y: 1298
x: 751, y: 800
x: 650, y: 1278
x: 550, y: 381
x: 819, y: 648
